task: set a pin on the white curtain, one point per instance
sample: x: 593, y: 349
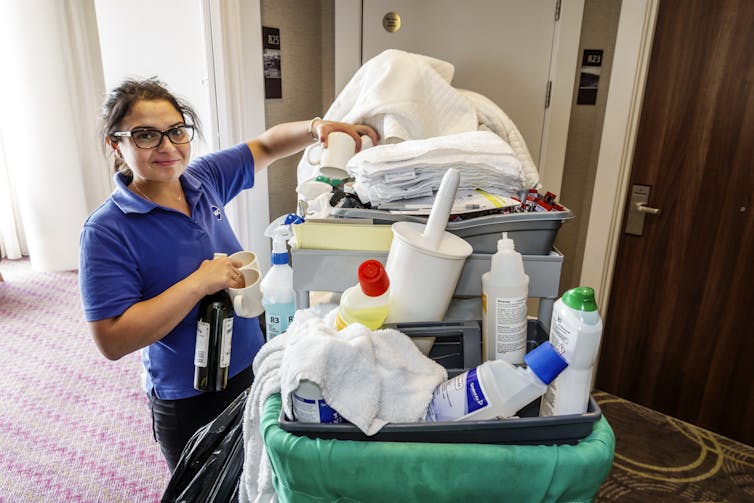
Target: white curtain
x: 49, y: 98
x: 12, y: 240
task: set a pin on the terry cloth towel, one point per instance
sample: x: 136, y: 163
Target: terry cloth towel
x: 370, y: 377
x: 415, y: 168
x: 492, y: 118
x: 407, y: 96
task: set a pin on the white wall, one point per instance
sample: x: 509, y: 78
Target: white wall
x: 144, y: 38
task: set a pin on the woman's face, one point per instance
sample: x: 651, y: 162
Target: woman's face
x: 163, y: 163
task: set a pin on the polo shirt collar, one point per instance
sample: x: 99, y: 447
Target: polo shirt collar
x: 128, y: 202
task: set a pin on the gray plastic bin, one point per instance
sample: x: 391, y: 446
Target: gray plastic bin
x: 532, y: 232
x: 459, y: 345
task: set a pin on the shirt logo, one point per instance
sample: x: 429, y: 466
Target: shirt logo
x: 216, y: 211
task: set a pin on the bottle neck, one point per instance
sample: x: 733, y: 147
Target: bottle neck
x: 280, y: 258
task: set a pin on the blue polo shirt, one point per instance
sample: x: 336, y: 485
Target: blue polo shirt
x: 133, y: 250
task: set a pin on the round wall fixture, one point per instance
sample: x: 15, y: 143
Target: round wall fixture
x: 391, y: 22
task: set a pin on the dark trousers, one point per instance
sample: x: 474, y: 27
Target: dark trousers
x: 175, y: 421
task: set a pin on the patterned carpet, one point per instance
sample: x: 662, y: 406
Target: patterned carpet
x: 74, y: 426
x: 660, y: 458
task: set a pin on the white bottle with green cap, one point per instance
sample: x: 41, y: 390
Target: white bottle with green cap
x: 575, y: 331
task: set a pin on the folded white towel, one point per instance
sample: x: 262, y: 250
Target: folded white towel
x: 484, y: 145
x: 415, y: 168
x: 370, y: 378
x: 491, y: 117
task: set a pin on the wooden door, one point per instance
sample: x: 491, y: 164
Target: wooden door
x: 499, y: 48
x: 678, y: 335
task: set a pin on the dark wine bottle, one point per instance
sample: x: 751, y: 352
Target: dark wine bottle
x: 213, y: 340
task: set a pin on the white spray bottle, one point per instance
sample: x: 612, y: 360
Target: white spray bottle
x: 505, y: 289
x: 278, y: 296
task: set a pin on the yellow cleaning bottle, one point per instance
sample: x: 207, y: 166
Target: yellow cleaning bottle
x: 368, y: 301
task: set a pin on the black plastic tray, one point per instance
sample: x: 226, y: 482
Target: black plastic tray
x: 461, y: 342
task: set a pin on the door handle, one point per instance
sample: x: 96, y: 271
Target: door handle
x: 643, y: 208
x: 638, y: 208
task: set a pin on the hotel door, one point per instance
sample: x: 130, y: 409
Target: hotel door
x: 678, y: 334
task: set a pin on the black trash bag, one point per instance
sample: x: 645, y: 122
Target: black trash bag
x: 209, y: 469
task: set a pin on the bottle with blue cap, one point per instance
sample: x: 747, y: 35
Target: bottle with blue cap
x: 278, y: 296
x: 497, y: 388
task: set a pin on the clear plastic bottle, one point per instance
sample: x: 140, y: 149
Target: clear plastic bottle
x: 505, y: 289
x: 368, y: 301
x: 496, y: 388
x: 575, y: 331
x: 278, y: 296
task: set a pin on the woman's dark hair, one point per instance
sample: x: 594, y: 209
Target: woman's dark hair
x: 119, y: 101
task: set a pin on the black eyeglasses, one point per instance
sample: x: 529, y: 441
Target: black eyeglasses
x: 151, y: 138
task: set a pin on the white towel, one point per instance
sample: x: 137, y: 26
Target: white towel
x: 370, y: 377
x: 491, y: 117
x: 404, y: 96
x: 415, y: 168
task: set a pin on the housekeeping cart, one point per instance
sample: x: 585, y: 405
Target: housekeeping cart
x: 564, y: 458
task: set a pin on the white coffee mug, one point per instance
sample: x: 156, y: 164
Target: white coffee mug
x: 248, y: 260
x: 333, y: 159
x: 366, y: 142
x: 247, y: 301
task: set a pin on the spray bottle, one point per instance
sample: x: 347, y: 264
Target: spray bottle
x: 278, y: 297
x: 575, y: 331
x: 505, y: 289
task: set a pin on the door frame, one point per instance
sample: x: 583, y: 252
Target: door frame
x: 565, y: 47
x: 633, y: 50
x: 234, y: 55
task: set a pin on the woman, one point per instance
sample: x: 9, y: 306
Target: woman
x: 147, y: 252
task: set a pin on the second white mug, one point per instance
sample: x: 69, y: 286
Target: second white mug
x: 333, y: 159
x: 247, y: 301
x: 248, y: 259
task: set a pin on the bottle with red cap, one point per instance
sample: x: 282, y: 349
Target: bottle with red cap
x: 368, y: 301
